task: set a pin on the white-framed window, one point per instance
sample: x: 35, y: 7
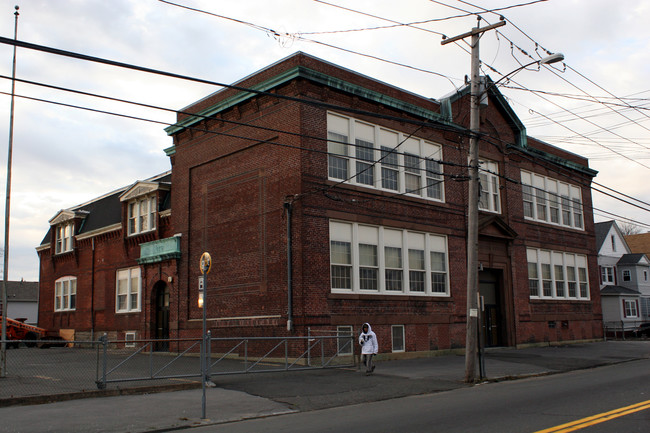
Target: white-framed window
x: 551, y: 201
x: 607, y: 274
x: 64, y: 237
x: 630, y: 308
x: 345, y: 340
x: 627, y: 275
x: 128, y: 289
x: 129, y: 339
x: 65, y: 294
x: 397, y: 338
x: 371, y: 156
x: 557, y: 275
x: 376, y: 259
x: 142, y: 215
x: 489, y: 200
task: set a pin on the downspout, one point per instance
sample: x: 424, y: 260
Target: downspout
x: 92, y: 293
x: 288, y: 205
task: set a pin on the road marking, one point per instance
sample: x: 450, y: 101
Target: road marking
x: 597, y: 419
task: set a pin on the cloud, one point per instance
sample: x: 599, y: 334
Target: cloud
x: 65, y: 156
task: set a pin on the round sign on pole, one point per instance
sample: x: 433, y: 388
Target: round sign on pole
x: 205, y: 263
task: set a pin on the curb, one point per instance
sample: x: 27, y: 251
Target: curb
x: 54, y: 398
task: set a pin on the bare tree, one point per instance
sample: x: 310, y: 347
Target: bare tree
x: 629, y: 229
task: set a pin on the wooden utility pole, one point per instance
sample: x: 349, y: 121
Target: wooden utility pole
x: 471, y: 339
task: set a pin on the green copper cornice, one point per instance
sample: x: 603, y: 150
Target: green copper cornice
x: 540, y: 154
x: 314, y: 76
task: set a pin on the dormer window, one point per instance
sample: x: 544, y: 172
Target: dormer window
x: 142, y: 215
x: 64, y: 233
x: 62, y: 229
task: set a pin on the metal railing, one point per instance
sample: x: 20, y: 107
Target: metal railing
x: 261, y: 355
x: 224, y: 356
x: 84, y: 366
x: 622, y: 329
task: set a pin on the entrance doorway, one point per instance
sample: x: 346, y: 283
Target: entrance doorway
x: 161, y: 325
x: 491, y: 315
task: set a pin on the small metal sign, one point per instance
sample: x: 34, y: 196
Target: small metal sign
x: 205, y: 263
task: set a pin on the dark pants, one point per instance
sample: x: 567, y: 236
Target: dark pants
x: 367, y: 361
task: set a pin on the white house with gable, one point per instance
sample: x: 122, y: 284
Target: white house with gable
x: 624, y: 280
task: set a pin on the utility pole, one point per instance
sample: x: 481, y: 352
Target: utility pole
x: 471, y: 339
x: 5, y: 268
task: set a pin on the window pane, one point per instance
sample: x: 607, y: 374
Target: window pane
x: 412, y: 183
x: 416, y: 260
x: 365, y: 173
x: 367, y: 255
x: 365, y: 150
x: 527, y: 192
x: 340, y: 252
x: 533, y: 287
x: 393, y: 280
x: 341, y: 277
x: 337, y: 143
x: 398, y: 338
x: 416, y: 281
x: 412, y: 177
x: 389, y: 157
x: 338, y: 167
x: 541, y: 204
x: 389, y: 179
x: 438, y: 262
x: 438, y: 282
x: 393, y: 257
x: 368, y: 278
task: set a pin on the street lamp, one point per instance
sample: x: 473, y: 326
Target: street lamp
x: 548, y: 60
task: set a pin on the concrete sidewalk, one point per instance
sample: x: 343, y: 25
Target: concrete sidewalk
x: 240, y: 397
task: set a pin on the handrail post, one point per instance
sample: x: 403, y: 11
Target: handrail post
x: 101, y: 384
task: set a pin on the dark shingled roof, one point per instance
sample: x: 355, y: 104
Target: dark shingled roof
x: 601, y: 230
x: 106, y: 210
x: 23, y: 291
x: 618, y: 290
x: 631, y: 259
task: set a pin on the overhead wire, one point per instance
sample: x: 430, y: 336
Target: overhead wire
x: 314, y: 41
x: 210, y: 83
x: 564, y: 79
x: 328, y: 189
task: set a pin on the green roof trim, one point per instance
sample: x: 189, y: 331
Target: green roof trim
x: 536, y: 153
x: 309, y: 74
x: 502, y: 105
x: 170, y: 150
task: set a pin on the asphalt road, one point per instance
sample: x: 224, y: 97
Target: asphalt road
x: 529, y: 405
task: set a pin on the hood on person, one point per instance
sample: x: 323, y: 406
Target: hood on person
x: 368, y: 340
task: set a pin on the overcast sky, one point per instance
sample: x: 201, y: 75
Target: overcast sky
x: 66, y: 156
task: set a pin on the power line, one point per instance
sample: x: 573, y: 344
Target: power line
x: 326, y: 190
x: 301, y: 38
x: 442, y: 125
x: 149, y: 70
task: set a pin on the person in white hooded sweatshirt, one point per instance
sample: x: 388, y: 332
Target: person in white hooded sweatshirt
x: 369, y: 347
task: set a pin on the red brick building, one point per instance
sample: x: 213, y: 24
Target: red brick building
x: 327, y: 199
